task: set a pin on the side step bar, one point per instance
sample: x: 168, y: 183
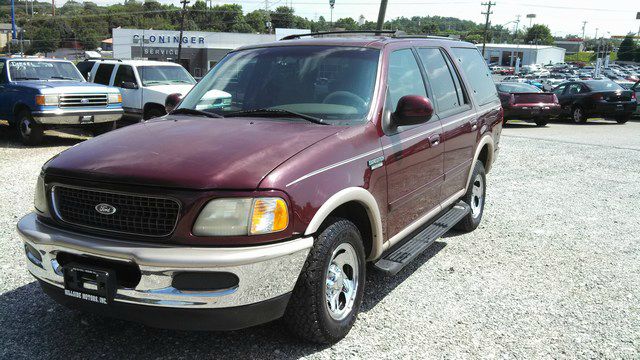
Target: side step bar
x: 398, y: 257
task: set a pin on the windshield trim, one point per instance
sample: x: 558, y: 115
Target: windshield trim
x: 8, y: 67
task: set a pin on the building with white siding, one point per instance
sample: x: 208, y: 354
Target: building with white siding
x: 506, y: 54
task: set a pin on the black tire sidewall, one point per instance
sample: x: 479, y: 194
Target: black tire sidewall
x: 37, y: 131
x: 153, y: 113
x: 339, y: 328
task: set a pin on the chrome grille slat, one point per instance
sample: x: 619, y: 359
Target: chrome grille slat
x: 136, y: 214
x: 76, y: 100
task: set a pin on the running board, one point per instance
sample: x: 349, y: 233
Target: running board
x: 399, y: 257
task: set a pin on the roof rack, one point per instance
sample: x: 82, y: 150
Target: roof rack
x: 321, y: 33
x: 405, y: 36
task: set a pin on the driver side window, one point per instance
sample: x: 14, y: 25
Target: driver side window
x: 403, y: 77
x: 3, y: 73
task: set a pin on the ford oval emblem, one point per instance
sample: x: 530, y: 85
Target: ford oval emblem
x: 105, y: 209
x: 84, y: 101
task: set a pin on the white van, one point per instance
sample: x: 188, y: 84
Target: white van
x: 144, y: 84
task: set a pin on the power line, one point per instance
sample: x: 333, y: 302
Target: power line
x: 486, y: 23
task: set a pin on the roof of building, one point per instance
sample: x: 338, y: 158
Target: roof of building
x: 107, y: 41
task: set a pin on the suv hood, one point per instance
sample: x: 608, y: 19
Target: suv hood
x: 64, y: 86
x: 187, y: 152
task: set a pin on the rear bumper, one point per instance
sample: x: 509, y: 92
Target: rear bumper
x: 265, y: 273
x: 74, y: 117
x: 605, y: 109
x: 531, y: 112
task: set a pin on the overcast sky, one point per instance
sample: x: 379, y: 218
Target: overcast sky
x: 618, y: 17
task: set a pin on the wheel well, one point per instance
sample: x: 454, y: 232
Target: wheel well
x: 484, y: 155
x: 19, y: 108
x: 149, y: 106
x: 357, y: 214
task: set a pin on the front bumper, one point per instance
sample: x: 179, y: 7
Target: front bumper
x: 265, y: 272
x: 74, y: 117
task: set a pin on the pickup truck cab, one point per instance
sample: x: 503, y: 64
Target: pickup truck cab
x: 40, y: 94
x: 333, y: 152
x: 144, y: 84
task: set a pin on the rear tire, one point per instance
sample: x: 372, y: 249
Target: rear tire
x: 101, y: 128
x: 328, y: 294
x: 541, y: 122
x: 578, y: 116
x: 29, y: 132
x: 623, y: 119
x: 475, y: 198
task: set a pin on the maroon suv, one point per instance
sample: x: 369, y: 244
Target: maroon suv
x: 332, y: 152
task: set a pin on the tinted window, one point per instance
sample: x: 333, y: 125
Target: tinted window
x: 124, y: 74
x: 441, y: 79
x: 85, y: 68
x: 604, y: 86
x: 559, y: 90
x: 576, y: 89
x: 477, y: 74
x: 103, y: 74
x: 517, y: 88
x: 334, y: 83
x: 404, y: 77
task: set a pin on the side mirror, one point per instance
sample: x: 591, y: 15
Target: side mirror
x: 412, y: 110
x: 172, y: 102
x: 128, y: 85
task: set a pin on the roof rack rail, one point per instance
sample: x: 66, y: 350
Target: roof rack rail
x: 102, y: 59
x: 405, y: 36
x: 321, y: 33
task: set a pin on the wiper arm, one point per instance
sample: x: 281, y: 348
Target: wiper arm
x: 62, y: 78
x: 188, y: 111
x: 275, y: 112
x: 26, y: 78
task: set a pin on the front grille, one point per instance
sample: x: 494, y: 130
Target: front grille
x: 134, y: 214
x: 82, y: 100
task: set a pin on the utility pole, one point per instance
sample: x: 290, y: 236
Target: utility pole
x: 486, y: 23
x: 381, y: 14
x: 332, y: 3
x: 584, y: 26
x: 184, y: 8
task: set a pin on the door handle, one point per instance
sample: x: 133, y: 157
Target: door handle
x: 474, y: 124
x: 434, y: 140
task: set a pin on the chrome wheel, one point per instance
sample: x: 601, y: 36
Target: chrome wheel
x: 25, y: 127
x: 477, y: 196
x: 341, y: 281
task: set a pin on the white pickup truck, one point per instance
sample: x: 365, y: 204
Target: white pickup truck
x: 144, y: 84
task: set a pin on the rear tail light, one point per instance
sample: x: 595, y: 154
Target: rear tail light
x: 555, y: 99
x: 512, y: 99
x: 597, y: 96
x: 633, y: 96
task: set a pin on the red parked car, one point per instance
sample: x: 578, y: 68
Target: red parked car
x: 527, y: 102
x: 332, y: 153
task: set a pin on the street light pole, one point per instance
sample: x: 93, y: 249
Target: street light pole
x: 381, y: 14
x: 184, y: 8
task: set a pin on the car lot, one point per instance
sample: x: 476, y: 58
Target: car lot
x: 553, y: 270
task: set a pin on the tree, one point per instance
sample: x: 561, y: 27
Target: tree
x: 44, y: 40
x: 346, y: 23
x: 539, y: 34
x: 476, y: 39
x: 283, y: 17
x: 88, y: 37
x: 257, y: 19
x: 627, y: 49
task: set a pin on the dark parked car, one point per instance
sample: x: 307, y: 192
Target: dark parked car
x: 527, y: 102
x: 333, y: 152
x: 596, y: 98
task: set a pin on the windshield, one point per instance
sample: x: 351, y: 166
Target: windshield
x: 517, y: 88
x: 20, y: 70
x: 164, y: 75
x: 604, y: 86
x: 331, y: 83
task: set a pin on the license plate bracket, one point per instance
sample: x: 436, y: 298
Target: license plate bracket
x: 86, y: 119
x: 96, y: 285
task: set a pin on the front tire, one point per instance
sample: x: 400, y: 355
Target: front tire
x: 623, y: 119
x: 326, y: 299
x: 541, y: 122
x: 475, y: 198
x: 153, y: 112
x: 29, y: 132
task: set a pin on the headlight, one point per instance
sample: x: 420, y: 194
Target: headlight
x: 48, y: 99
x: 40, y: 198
x: 242, y: 216
x: 114, y: 98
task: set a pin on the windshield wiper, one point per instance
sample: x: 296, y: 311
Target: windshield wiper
x: 62, y: 78
x: 188, y: 111
x: 27, y: 78
x: 276, y: 112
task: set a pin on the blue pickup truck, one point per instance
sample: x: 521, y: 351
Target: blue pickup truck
x: 40, y: 94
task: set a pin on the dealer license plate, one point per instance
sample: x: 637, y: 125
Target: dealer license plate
x: 89, y: 284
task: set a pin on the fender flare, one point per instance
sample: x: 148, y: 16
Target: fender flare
x: 486, y: 139
x: 362, y: 197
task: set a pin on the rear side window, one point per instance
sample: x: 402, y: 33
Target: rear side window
x: 404, y: 77
x: 124, y: 74
x: 85, y: 68
x: 103, y: 74
x: 478, y: 75
x: 559, y: 90
x: 442, y: 79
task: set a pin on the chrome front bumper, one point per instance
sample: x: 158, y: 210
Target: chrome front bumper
x: 74, y: 117
x: 265, y: 271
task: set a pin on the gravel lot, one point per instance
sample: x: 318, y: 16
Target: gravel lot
x: 552, y: 272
